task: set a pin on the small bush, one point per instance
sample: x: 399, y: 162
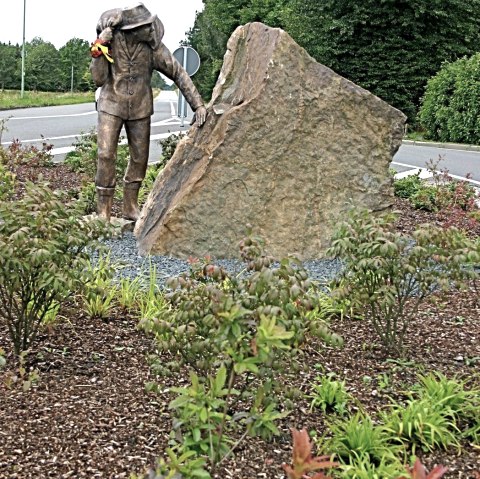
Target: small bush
x: 44, y: 246
x: 358, y: 437
x: 7, y: 182
x: 408, y: 186
x: 17, y: 154
x: 391, y: 273
x: 450, y: 109
x: 329, y: 395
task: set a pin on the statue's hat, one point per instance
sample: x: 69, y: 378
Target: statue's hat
x: 136, y: 16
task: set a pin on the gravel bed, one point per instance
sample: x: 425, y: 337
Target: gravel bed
x: 123, y: 250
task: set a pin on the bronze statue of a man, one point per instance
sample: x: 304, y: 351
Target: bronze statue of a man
x: 128, y: 48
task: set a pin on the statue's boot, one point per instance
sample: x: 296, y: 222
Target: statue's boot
x: 104, y: 202
x: 131, y: 211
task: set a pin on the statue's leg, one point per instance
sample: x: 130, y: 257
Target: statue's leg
x: 109, y: 127
x: 138, y: 134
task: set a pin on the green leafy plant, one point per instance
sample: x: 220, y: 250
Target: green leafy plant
x: 88, y: 197
x: 99, y: 291
x: 363, y: 467
x: 329, y: 394
x: 201, y: 414
x: 151, y: 301
x: 421, y: 422
x: 450, y: 106
x: 251, y: 326
x: 390, y: 274
x: 303, y: 464
x: 44, y: 247
x: 178, y: 465
x: 129, y: 291
x: 358, y: 437
x: 408, y: 186
x: 7, y: 183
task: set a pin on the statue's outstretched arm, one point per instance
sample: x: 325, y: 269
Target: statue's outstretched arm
x: 165, y: 63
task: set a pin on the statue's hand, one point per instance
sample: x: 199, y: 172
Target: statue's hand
x: 106, y: 35
x: 200, y: 116
x: 110, y: 18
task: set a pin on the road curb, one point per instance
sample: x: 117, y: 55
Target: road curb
x: 447, y: 146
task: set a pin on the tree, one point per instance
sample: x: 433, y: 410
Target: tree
x: 9, y: 57
x: 42, y: 66
x: 75, y: 53
x: 390, y: 47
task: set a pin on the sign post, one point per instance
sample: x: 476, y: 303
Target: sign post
x: 190, y: 60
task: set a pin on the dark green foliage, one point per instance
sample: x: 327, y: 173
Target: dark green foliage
x: 169, y: 146
x: 389, y: 47
x: 44, y: 247
x: 408, y: 186
x: 75, y: 53
x: 450, y: 108
x: 9, y: 66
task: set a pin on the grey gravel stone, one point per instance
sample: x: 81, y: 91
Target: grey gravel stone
x: 124, y: 253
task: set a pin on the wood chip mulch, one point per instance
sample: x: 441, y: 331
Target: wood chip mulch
x: 88, y: 414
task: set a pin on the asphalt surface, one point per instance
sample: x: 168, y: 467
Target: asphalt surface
x: 62, y: 125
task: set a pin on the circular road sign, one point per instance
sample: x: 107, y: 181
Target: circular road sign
x: 188, y: 58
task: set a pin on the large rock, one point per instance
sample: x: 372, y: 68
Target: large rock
x: 287, y: 147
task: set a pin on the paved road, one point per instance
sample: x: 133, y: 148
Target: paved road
x: 60, y: 125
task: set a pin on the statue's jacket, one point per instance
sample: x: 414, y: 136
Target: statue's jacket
x: 126, y: 90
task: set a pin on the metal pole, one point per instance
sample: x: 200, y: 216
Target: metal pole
x: 23, y: 51
x: 182, y: 104
x: 71, y: 87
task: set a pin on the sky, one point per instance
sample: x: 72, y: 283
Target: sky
x: 57, y: 21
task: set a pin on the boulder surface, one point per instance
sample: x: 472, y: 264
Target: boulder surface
x: 288, y: 147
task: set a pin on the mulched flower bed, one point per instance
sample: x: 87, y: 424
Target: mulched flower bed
x: 89, y: 414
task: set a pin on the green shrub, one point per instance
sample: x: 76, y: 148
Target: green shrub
x: 236, y: 335
x: 99, y: 291
x: 7, y: 182
x: 44, y: 246
x: 422, y: 422
x: 358, y: 437
x: 425, y: 198
x: 18, y: 154
x: 408, y: 186
x: 391, y: 273
x: 329, y: 395
x: 450, y: 109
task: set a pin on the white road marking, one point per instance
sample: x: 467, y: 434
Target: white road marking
x: 51, y: 116
x: 168, y: 121
x: 159, y: 136
x: 46, y: 138
x: 415, y: 168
